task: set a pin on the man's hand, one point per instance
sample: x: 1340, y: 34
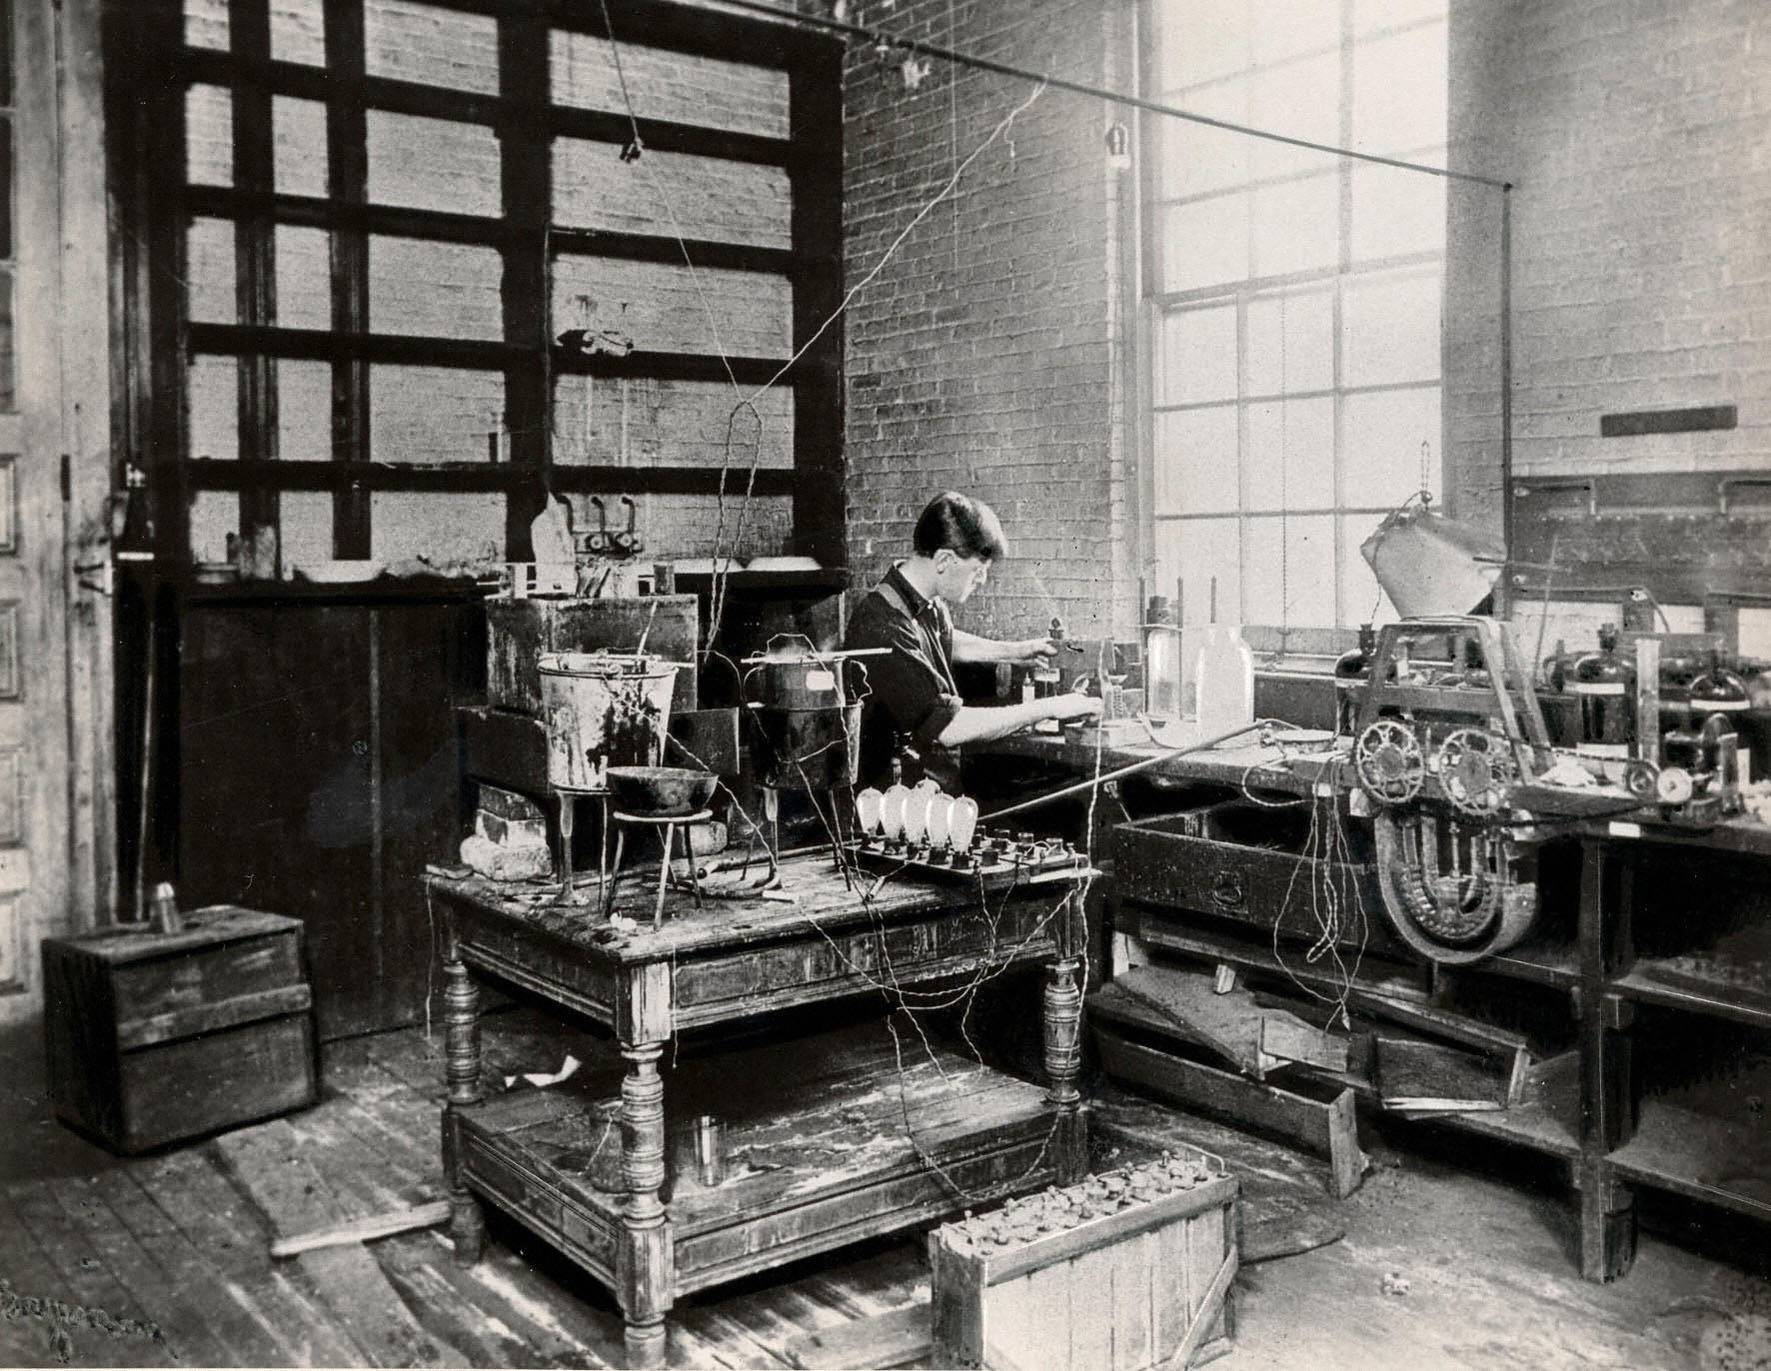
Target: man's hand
x: 1031, y: 652
x: 1074, y: 706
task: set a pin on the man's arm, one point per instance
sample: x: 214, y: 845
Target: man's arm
x: 969, y: 647
x: 978, y: 724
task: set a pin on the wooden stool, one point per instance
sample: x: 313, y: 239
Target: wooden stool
x: 668, y: 826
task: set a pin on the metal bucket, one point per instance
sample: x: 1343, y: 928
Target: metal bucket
x: 1428, y: 564
x: 806, y: 749
x: 603, y: 709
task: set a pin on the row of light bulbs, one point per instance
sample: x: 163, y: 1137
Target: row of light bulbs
x: 918, y: 814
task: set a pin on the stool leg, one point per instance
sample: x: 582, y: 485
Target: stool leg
x: 615, y: 870
x: 689, y: 846
x: 602, y: 857
x: 663, y: 876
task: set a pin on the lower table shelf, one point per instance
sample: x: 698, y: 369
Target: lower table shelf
x: 1721, y: 1161
x: 827, y: 1141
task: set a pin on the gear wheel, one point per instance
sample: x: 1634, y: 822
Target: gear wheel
x: 1476, y: 772
x: 1389, y: 761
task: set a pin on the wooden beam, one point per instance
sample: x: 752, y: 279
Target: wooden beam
x: 364, y: 1229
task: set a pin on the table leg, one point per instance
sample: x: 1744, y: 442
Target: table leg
x: 1062, y: 1022
x: 461, y: 1055
x: 669, y: 836
x: 643, y: 1258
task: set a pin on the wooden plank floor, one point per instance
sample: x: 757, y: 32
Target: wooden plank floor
x: 164, y: 1260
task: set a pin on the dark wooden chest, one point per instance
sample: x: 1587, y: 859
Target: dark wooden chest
x: 156, y: 1037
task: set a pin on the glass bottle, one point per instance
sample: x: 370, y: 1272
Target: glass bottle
x: 1162, y: 660
x: 1718, y: 690
x: 1605, y: 685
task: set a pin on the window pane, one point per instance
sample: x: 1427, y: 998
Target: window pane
x: 446, y: 290
x: 665, y: 308
x: 1300, y: 100
x: 1384, y: 431
x: 1199, y: 40
x: 433, y: 414
x: 299, y: 130
x: 671, y: 193
x: 685, y: 89
x: 212, y: 404
x: 1290, y: 455
x: 1400, y: 91
x: 1396, y: 212
x: 304, y: 410
x: 209, y: 272
x: 298, y: 32
x: 1389, y: 14
x: 1390, y: 329
x: 1197, y: 158
x: 304, y: 278
x: 209, y: 136
x: 614, y: 421
x: 440, y: 528
x: 1205, y: 555
x: 1289, y: 28
x: 1362, y: 602
x: 1296, y: 226
x: 1205, y: 243
x: 1198, y: 358
x: 214, y: 515
x: 206, y: 24
x: 1291, y: 342
x: 1196, y: 461
x: 686, y: 524
x: 304, y: 528
x: 439, y: 47
x: 433, y: 164
x: 1288, y: 568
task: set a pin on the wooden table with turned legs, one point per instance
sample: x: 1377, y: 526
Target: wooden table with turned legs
x: 831, y: 1137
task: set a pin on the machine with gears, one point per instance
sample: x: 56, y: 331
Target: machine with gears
x: 1448, y: 731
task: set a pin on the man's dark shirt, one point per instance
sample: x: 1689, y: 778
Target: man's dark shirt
x: 912, y: 688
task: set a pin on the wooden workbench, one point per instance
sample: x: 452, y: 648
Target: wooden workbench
x: 1656, y: 946
x: 832, y: 1138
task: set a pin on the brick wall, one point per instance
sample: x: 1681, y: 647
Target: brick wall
x: 980, y: 356
x: 1639, y: 134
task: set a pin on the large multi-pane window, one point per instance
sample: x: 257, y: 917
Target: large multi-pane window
x: 1295, y: 296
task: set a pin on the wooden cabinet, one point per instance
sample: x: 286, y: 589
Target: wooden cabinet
x: 156, y: 1037
x: 316, y: 770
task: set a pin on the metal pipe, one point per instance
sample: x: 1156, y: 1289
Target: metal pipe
x: 877, y: 36
x: 1093, y: 781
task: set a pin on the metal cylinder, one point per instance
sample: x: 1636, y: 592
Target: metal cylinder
x: 710, y: 1150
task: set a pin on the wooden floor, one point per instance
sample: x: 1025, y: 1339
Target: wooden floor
x: 164, y: 1260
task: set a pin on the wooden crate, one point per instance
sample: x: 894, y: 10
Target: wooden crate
x: 154, y: 1037
x: 1122, y: 1271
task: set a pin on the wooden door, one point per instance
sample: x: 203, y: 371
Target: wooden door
x: 54, y: 460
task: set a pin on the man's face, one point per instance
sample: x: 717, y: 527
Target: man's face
x: 959, y: 577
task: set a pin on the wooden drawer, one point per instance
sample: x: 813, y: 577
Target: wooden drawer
x: 1241, y: 861
x: 153, y: 1038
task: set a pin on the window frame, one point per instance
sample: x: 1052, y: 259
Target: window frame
x: 1158, y: 305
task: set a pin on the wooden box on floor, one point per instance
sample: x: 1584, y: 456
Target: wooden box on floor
x: 155, y: 1037
x: 1118, y: 1272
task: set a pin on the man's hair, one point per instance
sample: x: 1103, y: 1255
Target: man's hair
x: 966, y: 526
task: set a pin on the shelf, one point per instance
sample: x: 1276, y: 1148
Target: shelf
x: 1543, y: 1126
x: 832, y: 1141
x: 1701, y: 1156
x: 1730, y: 979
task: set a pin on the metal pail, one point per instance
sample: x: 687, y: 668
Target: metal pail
x: 601, y: 709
